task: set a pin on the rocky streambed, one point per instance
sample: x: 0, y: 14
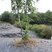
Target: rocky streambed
x: 43, y: 46
x: 9, y: 32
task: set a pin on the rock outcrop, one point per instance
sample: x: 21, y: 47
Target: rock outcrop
x: 8, y: 30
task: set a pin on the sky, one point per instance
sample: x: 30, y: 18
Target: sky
x: 44, y: 5
x: 41, y: 5
x: 5, y: 5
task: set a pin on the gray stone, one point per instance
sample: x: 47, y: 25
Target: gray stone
x: 6, y: 46
x: 8, y: 30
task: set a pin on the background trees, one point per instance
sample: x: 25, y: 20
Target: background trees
x: 7, y: 17
x: 33, y: 18
x: 41, y: 18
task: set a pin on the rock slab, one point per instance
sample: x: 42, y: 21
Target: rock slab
x: 8, y: 30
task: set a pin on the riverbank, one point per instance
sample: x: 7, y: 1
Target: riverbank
x: 43, y: 46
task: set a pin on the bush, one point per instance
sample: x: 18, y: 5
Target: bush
x: 43, y: 31
x: 38, y: 28
x: 46, y: 33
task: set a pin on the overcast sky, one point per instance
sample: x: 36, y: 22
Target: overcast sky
x: 42, y: 5
x: 5, y: 5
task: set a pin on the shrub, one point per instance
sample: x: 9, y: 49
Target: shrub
x: 46, y: 33
x: 38, y: 28
x: 43, y: 31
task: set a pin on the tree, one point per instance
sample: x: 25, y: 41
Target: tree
x: 25, y: 6
x: 49, y: 16
x: 7, y: 17
x: 16, y: 7
x: 28, y: 8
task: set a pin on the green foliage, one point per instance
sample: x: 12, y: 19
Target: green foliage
x: 25, y: 18
x: 5, y: 17
x: 23, y: 25
x: 46, y: 33
x: 38, y: 28
x: 41, y: 18
x: 43, y: 31
x: 25, y: 37
x: 16, y: 5
x: 8, y: 17
x: 25, y: 6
